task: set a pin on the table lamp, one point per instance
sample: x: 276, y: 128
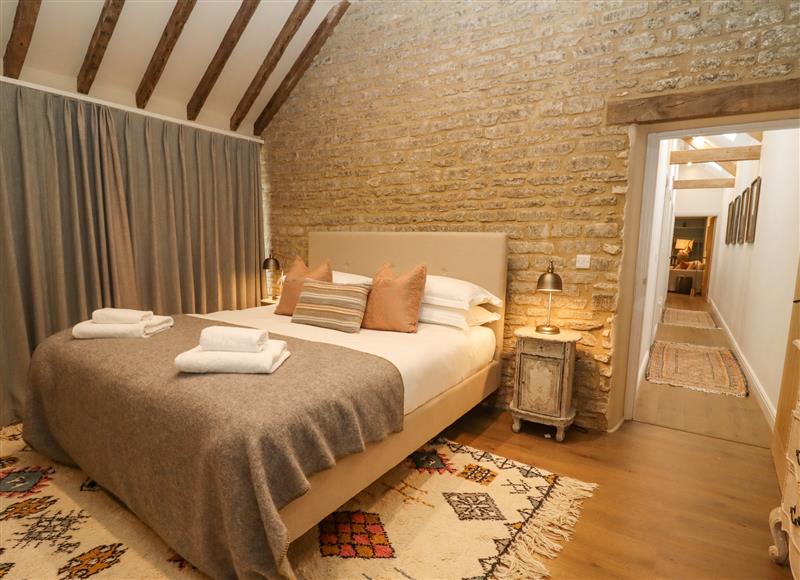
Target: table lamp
x: 273, y: 268
x: 549, y: 282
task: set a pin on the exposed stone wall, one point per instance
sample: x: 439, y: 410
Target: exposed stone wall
x: 489, y: 116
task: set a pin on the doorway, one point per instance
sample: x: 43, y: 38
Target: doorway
x: 687, y: 310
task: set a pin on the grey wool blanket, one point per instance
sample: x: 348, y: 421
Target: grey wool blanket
x: 207, y: 461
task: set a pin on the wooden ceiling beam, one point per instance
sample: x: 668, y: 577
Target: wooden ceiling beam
x: 172, y: 32
x: 229, y: 42
x: 290, y: 27
x: 703, y: 183
x: 729, y: 166
x: 312, y: 48
x: 716, y: 155
x: 20, y: 39
x: 98, y: 44
x: 782, y: 95
x: 757, y: 135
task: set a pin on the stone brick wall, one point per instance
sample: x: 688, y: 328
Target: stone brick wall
x: 489, y: 116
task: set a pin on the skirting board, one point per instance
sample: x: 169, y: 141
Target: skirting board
x: 755, y: 385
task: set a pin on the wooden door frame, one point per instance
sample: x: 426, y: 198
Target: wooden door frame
x: 708, y: 247
x: 627, y: 330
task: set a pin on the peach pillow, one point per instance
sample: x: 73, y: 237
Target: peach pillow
x: 393, y: 302
x: 293, y: 283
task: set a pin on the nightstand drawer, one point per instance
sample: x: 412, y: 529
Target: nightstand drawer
x: 542, y: 348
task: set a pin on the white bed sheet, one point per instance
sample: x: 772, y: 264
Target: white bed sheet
x: 430, y: 361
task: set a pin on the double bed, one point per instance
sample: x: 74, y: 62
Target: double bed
x: 230, y: 469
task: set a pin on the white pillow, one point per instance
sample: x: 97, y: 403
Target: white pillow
x: 348, y: 278
x: 478, y: 316
x: 456, y: 317
x: 455, y: 293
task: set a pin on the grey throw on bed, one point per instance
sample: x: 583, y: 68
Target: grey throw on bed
x: 207, y: 461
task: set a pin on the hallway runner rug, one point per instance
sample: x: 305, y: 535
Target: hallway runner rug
x: 692, y: 318
x: 711, y: 369
x: 447, y: 511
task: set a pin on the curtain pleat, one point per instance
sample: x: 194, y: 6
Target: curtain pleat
x: 102, y: 207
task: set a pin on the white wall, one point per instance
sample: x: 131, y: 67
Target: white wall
x: 659, y: 251
x: 698, y: 202
x: 752, y: 284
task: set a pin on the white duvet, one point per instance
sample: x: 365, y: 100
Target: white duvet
x: 430, y: 361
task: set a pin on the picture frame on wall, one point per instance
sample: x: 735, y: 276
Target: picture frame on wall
x: 752, y: 212
x: 729, y: 223
x: 745, y: 208
x: 737, y: 216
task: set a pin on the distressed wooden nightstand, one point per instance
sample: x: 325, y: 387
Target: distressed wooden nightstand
x: 543, y: 379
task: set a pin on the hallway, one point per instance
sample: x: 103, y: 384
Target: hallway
x: 721, y: 416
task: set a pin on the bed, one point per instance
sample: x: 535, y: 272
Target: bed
x: 444, y: 374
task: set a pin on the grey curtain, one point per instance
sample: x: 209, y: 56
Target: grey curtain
x: 102, y: 207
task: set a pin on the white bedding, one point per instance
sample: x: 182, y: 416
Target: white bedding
x: 431, y: 361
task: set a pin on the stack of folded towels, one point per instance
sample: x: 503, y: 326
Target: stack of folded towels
x: 227, y: 349
x: 121, y: 323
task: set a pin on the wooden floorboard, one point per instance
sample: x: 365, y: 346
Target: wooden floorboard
x: 732, y: 418
x: 670, y: 504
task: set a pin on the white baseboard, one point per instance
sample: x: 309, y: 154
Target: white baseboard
x: 617, y: 426
x: 756, y: 388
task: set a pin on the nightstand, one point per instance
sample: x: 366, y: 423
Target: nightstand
x: 268, y: 301
x: 543, y: 379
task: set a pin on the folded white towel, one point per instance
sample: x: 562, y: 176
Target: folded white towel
x: 89, y: 329
x: 267, y: 361
x: 229, y: 338
x: 120, y: 316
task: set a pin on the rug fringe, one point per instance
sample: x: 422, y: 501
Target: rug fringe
x: 543, y: 533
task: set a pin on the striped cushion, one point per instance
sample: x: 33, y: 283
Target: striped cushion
x: 329, y: 305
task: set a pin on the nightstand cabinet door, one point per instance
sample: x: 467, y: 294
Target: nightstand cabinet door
x: 540, y: 385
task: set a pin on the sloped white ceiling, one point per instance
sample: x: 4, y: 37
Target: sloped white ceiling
x: 64, y: 28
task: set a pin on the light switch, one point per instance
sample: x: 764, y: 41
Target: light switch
x: 583, y: 261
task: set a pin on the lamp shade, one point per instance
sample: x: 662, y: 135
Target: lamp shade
x: 271, y: 264
x: 683, y: 245
x: 549, y: 281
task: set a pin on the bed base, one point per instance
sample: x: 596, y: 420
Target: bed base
x: 331, y: 488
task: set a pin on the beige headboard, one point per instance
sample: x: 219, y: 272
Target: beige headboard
x: 477, y: 257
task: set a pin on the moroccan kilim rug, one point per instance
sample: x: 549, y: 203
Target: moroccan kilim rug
x: 712, y: 369
x: 693, y: 318
x: 449, y: 511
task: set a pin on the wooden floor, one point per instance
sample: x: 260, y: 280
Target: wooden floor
x: 670, y: 504
x: 723, y: 416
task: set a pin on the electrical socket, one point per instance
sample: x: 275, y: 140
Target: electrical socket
x: 583, y: 261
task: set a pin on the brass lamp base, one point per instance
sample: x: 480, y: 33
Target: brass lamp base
x: 547, y: 329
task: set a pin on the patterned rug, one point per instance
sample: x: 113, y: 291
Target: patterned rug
x: 449, y: 511
x: 693, y: 318
x: 711, y: 369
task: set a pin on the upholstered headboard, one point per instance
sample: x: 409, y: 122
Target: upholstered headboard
x: 477, y: 257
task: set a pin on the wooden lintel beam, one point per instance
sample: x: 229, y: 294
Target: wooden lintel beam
x: 229, y: 42
x: 172, y: 31
x: 312, y: 48
x: 290, y: 27
x: 703, y: 183
x: 782, y: 95
x: 757, y: 135
x: 716, y: 154
x: 98, y: 44
x: 20, y: 39
x: 729, y: 166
